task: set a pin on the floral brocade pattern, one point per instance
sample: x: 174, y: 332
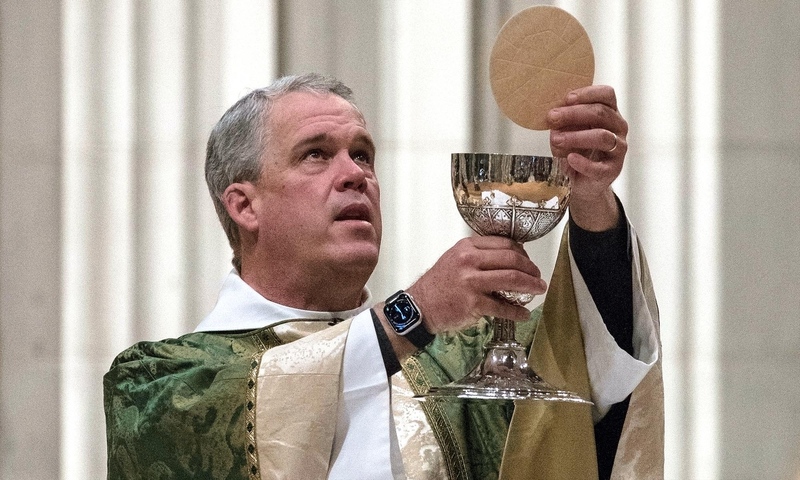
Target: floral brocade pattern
x: 520, y: 224
x: 422, y: 455
x: 159, y: 394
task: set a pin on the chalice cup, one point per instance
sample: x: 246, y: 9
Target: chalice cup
x: 522, y: 197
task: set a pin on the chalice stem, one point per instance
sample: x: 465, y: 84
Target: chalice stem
x: 504, y: 330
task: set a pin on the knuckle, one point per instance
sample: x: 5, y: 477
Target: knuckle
x: 624, y: 127
x: 468, y: 279
x: 600, y: 112
x: 467, y: 257
x: 461, y: 245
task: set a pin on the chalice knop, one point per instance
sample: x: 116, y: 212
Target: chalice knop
x: 522, y: 197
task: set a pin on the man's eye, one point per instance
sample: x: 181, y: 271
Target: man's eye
x: 362, y: 157
x: 314, y: 154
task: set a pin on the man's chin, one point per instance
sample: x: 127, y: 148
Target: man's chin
x: 363, y: 257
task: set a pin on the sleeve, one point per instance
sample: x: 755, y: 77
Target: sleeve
x: 171, y: 411
x: 604, y: 262
x: 390, y: 361
x: 619, y: 336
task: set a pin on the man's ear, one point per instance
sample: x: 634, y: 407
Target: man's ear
x: 238, y: 200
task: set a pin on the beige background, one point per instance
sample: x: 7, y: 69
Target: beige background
x: 107, y: 236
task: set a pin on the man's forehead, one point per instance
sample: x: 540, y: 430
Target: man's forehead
x: 305, y: 107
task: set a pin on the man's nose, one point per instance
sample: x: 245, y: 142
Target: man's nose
x: 351, y: 175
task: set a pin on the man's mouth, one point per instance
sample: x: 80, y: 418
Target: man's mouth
x: 356, y: 211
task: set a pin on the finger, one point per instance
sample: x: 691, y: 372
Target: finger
x: 593, y: 169
x: 486, y: 283
x: 487, y: 270
x: 598, y: 139
x: 490, y: 305
x: 506, y: 260
x: 503, y: 309
x: 494, y: 252
x: 493, y: 242
x: 593, y: 94
x: 587, y: 116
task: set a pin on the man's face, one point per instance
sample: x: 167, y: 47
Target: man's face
x: 318, y: 198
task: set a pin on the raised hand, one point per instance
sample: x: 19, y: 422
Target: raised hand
x: 591, y: 133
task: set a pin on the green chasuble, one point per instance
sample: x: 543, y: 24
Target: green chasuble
x: 183, y: 408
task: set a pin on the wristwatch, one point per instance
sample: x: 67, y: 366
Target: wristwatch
x: 405, y: 318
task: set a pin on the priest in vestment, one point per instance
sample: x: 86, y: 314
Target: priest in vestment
x: 298, y: 372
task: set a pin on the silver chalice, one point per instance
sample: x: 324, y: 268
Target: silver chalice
x: 522, y: 197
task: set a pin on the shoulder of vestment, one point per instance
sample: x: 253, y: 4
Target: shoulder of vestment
x: 179, y: 408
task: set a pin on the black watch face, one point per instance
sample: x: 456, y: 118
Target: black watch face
x: 401, y: 313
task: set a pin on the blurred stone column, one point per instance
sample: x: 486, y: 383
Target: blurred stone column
x: 144, y: 255
x: 425, y: 105
x: 30, y: 228
x: 759, y: 236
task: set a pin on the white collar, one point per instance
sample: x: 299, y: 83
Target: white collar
x: 239, y: 307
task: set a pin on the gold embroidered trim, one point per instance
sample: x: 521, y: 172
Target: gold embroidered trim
x: 457, y: 468
x: 268, y: 339
x: 250, y: 410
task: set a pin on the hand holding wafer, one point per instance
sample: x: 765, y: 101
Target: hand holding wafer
x: 590, y: 132
x: 541, y: 72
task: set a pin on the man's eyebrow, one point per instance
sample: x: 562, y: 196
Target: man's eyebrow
x: 319, y: 138
x: 323, y: 137
x: 367, y: 140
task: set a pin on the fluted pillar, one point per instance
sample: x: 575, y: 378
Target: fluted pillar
x: 425, y: 105
x: 30, y: 247
x: 759, y: 234
x: 143, y: 252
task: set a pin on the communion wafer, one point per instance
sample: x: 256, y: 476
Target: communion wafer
x: 541, y: 54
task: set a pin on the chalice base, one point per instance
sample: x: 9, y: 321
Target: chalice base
x: 503, y: 374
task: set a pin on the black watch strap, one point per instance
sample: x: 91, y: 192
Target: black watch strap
x: 420, y: 336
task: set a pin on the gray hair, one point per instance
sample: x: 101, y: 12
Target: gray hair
x: 239, y: 140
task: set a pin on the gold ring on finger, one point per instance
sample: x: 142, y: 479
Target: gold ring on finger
x: 616, y: 142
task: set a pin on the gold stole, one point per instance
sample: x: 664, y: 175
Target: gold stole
x: 556, y: 440
x: 641, y: 450
x: 297, y: 442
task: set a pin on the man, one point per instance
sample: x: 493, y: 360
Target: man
x: 291, y: 374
